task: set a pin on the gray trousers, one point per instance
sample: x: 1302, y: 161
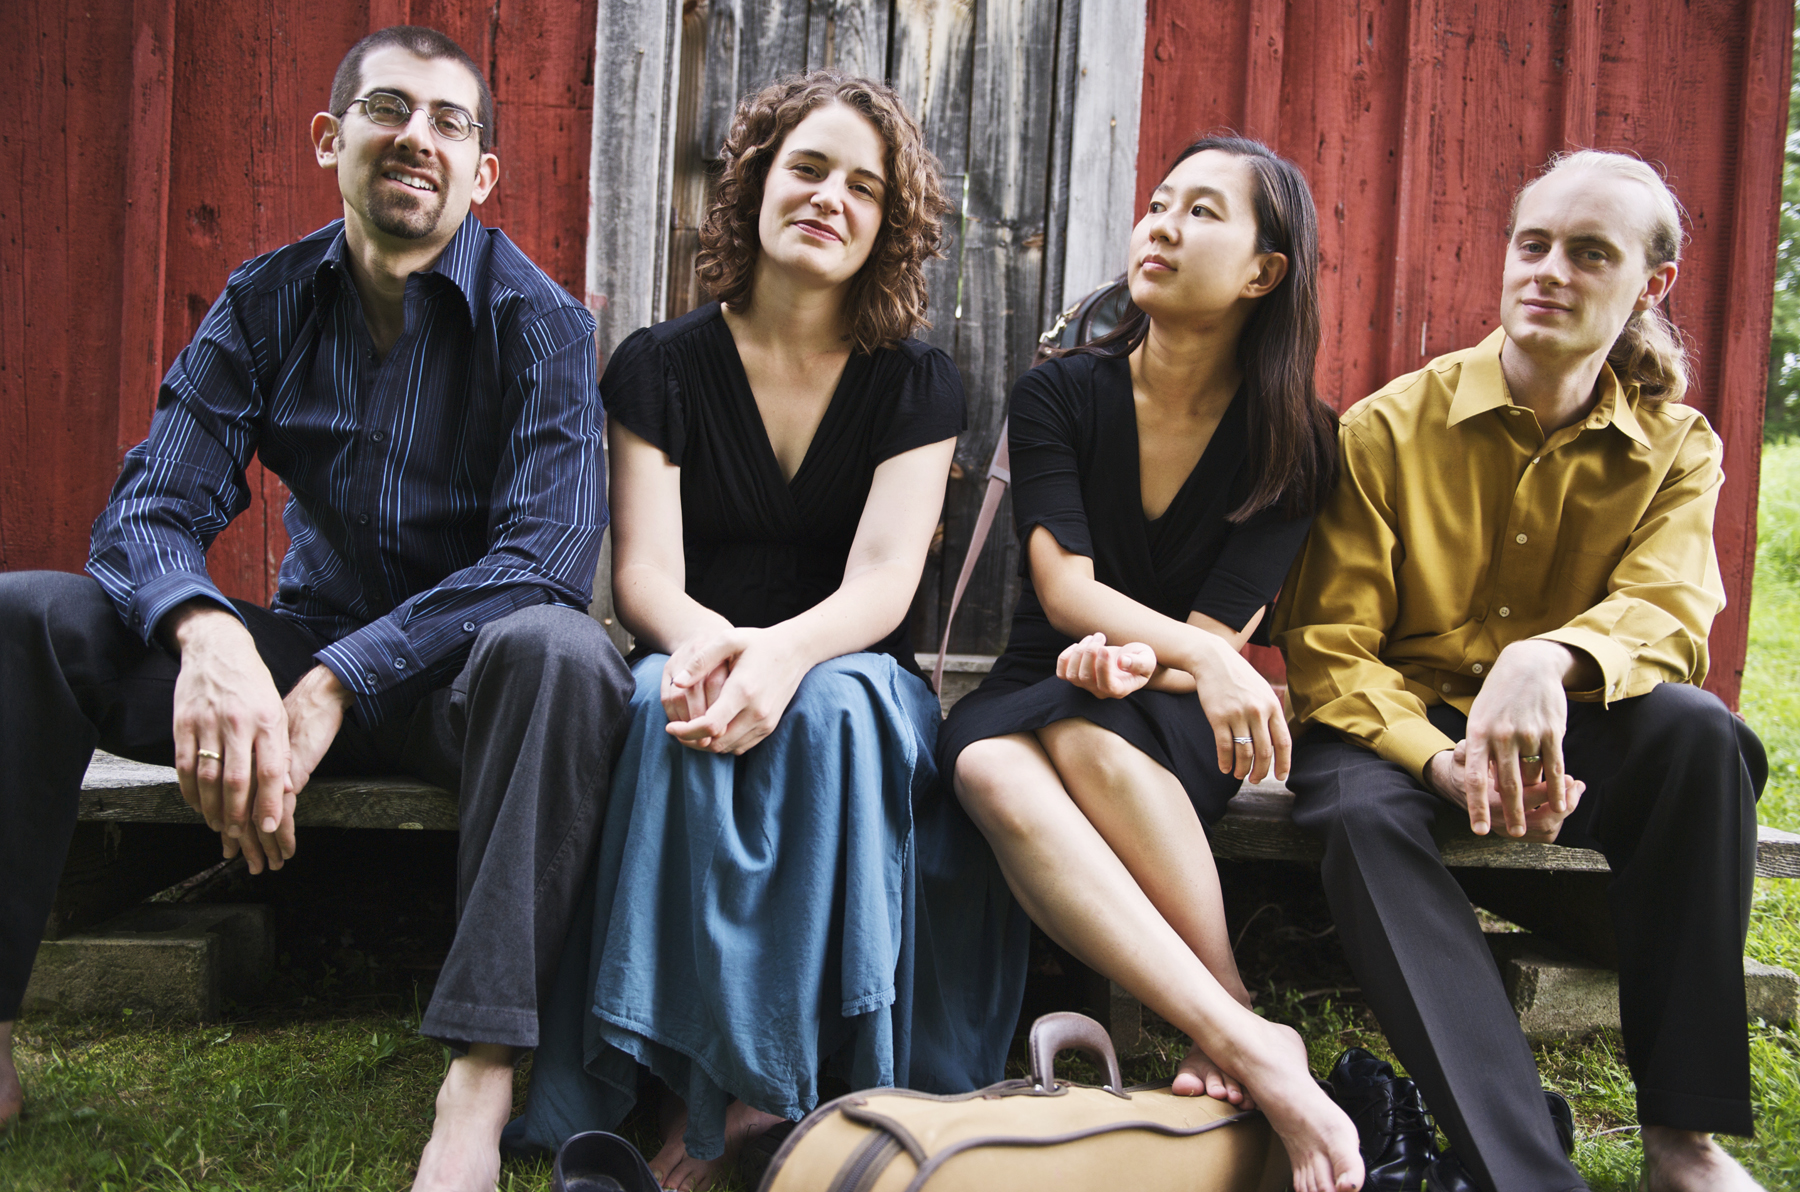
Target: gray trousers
x: 1672, y: 783
x: 526, y: 735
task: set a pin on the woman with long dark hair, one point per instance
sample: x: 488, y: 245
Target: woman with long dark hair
x: 1163, y: 479
x: 778, y: 459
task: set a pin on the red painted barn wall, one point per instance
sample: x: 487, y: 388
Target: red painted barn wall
x: 1415, y: 123
x: 158, y: 143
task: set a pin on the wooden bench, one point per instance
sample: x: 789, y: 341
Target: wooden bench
x: 128, y: 845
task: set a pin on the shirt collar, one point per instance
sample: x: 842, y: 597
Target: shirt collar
x: 1482, y: 387
x: 460, y: 263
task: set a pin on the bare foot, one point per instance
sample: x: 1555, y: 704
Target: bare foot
x: 1686, y: 1161
x: 12, y: 1097
x: 674, y: 1168
x: 1321, y: 1142
x: 472, y: 1106
x: 1198, y: 1074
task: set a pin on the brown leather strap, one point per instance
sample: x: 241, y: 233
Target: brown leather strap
x: 999, y: 476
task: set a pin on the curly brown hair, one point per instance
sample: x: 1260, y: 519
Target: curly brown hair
x: 886, y: 299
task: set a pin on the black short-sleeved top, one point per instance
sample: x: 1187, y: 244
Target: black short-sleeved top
x: 761, y: 549
x: 1074, y: 446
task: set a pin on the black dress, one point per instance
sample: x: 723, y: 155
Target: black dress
x: 1073, y: 434
x: 760, y: 548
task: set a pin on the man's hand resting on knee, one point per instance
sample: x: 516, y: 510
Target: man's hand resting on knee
x: 242, y: 754
x: 1511, y: 762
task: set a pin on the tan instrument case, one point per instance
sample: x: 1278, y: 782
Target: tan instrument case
x: 1036, y: 1134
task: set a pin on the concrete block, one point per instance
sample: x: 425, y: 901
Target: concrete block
x: 1771, y: 993
x: 174, y: 961
x: 1555, y: 993
x: 1559, y: 995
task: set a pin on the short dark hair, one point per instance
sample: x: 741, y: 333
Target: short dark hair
x: 1293, y: 435
x: 886, y: 299
x: 346, y: 85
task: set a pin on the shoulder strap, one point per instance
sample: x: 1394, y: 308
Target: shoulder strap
x: 999, y: 476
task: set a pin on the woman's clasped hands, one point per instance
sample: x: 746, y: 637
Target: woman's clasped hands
x: 726, y: 692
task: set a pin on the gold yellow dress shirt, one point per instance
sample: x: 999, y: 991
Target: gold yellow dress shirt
x: 1457, y: 528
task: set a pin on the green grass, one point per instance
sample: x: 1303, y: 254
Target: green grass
x: 327, y: 1087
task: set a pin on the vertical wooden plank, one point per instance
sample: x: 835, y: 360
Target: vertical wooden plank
x: 1002, y: 277
x: 691, y: 176
x: 1102, y: 167
x: 630, y: 172
x: 146, y: 213
x: 61, y: 222
x: 1744, y: 356
x: 1407, y: 327
x: 1342, y: 123
x: 930, y: 57
x: 1580, y: 72
x: 851, y: 35
x: 1263, y: 68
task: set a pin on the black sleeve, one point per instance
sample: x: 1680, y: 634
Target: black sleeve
x: 1044, y: 424
x: 640, y: 390
x: 1250, y: 569
x: 930, y: 407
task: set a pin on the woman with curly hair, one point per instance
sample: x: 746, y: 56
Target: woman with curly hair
x: 778, y: 460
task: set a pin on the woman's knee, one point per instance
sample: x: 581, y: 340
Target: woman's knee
x: 1094, y: 758
x: 987, y: 781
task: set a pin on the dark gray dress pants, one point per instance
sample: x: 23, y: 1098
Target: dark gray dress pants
x: 526, y: 735
x: 1672, y: 782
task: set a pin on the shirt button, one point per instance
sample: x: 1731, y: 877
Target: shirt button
x: 1505, y: 612
x: 1520, y: 539
x: 362, y: 519
x: 1535, y: 458
x: 1476, y: 668
x: 377, y: 436
x: 369, y: 678
x: 468, y: 627
x: 1515, y: 413
x: 399, y: 664
x: 1446, y: 689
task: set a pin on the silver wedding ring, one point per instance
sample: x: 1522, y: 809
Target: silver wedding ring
x: 1244, y: 740
x: 1531, y: 757
x: 217, y: 757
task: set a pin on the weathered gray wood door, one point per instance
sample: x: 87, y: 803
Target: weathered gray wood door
x: 1031, y: 106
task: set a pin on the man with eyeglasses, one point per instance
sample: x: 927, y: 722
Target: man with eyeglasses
x: 428, y: 396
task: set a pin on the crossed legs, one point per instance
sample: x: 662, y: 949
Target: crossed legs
x: 1103, y: 850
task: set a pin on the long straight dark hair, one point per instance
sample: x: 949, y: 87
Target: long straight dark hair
x: 1293, y: 435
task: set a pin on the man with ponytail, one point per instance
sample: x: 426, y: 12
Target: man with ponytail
x: 1501, y: 618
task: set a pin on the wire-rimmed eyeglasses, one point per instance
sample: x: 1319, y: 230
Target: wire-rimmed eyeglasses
x: 392, y: 111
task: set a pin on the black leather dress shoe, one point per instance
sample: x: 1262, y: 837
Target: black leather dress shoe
x: 1563, y: 1118
x: 1447, y: 1175
x: 1393, y: 1131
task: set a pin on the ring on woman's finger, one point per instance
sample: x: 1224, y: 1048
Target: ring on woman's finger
x: 1531, y: 757
x: 1243, y: 740
x: 217, y: 757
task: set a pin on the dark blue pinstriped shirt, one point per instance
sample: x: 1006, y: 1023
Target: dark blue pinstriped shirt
x: 454, y: 482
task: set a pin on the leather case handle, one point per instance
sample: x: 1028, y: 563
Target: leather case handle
x: 1065, y: 1031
